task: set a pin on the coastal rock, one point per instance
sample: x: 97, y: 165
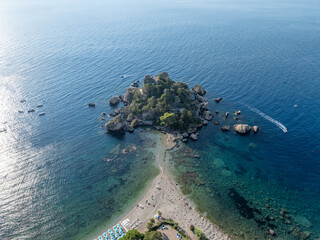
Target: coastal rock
x: 180, y: 137
x: 114, y: 100
x: 200, y: 98
x: 255, y: 129
x: 205, y: 106
x: 199, y: 90
x: 91, y: 104
x: 217, y: 100
x: 129, y: 128
x: 184, y: 140
x: 127, y: 98
x: 185, y: 135
x: 194, y: 137
x: 242, y: 128
x: 104, y: 113
x: 130, y: 117
x: 135, y: 84
x: 205, y: 122
x: 216, y: 123
x: 217, y: 111
x: 207, y: 115
x: 134, y: 123
x: 115, y: 125
x: 164, y: 75
x: 225, y: 128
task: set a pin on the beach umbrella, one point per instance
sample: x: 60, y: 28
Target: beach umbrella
x: 118, y: 225
x: 109, y: 231
x: 117, y: 235
x: 104, y: 234
x: 120, y: 228
x: 100, y: 238
x: 120, y: 232
x: 112, y: 238
x: 114, y: 228
x: 107, y: 238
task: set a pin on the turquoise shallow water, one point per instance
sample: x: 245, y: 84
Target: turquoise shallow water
x: 259, y: 54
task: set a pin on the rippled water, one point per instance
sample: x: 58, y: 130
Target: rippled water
x: 53, y: 176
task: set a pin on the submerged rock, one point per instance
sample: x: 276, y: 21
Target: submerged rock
x: 242, y: 128
x: 225, y: 128
x: 91, y: 104
x: 237, y: 112
x: 216, y: 123
x: 217, y: 100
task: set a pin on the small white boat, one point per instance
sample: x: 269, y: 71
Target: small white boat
x: 31, y: 110
x: 39, y: 105
x: 42, y: 114
x: 19, y: 111
x: 3, y: 130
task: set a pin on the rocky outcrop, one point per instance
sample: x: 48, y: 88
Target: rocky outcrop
x: 207, y: 115
x: 130, y: 117
x: 135, y: 123
x: 135, y: 84
x: 114, y: 100
x: 242, y: 128
x: 127, y: 98
x: 129, y: 128
x: 217, y: 100
x: 199, y: 90
x: 115, y: 125
x: 185, y: 135
x: 255, y: 129
x: 205, y: 122
x: 193, y: 136
x: 205, y: 106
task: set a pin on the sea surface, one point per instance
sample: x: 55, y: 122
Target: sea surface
x: 62, y: 177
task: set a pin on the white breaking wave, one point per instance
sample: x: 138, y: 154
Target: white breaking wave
x: 279, y: 124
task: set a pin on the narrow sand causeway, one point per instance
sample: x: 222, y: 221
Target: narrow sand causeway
x: 165, y: 196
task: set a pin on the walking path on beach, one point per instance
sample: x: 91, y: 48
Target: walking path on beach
x: 164, y: 195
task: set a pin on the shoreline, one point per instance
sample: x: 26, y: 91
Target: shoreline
x: 163, y: 194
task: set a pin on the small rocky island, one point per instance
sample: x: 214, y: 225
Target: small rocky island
x: 166, y: 105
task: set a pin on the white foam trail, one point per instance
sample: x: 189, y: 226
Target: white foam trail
x: 279, y: 124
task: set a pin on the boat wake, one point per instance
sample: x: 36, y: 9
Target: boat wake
x: 279, y: 124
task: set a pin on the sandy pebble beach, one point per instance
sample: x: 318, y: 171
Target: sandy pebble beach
x: 165, y: 196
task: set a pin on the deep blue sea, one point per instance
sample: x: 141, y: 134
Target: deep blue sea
x: 260, y: 56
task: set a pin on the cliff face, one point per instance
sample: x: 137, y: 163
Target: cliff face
x: 163, y: 103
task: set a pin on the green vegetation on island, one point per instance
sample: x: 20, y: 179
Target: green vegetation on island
x: 163, y: 103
